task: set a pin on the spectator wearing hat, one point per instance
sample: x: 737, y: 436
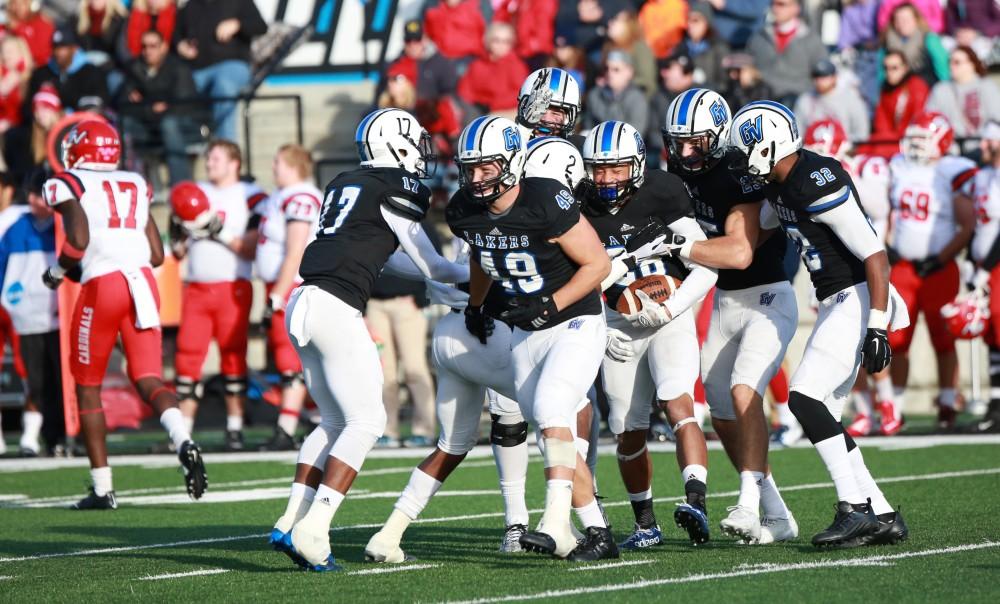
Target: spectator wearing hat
x: 457, y: 28
x: 677, y: 74
x: 736, y: 21
x: 78, y: 83
x: 902, y: 98
x: 744, y: 83
x: 491, y: 82
x: 785, y: 51
x: 145, y: 15
x: 663, y: 23
x: 616, y: 97
x: 832, y: 98
x: 154, y: 83
x: 34, y: 27
x: 534, y: 22
x: 25, y: 146
x: 432, y: 74
x: 705, y: 47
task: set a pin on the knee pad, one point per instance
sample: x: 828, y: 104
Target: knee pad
x: 816, y: 420
x: 236, y: 385
x: 187, y: 388
x: 353, y: 445
x: 507, y: 435
x: 291, y: 379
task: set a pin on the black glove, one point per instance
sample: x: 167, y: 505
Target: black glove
x: 892, y: 254
x: 53, y: 277
x: 646, y: 235
x: 478, y: 323
x: 876, y: 352
x: 928, y: 265
x: 530, y: 312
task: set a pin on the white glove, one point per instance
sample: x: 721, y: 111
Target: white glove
x: 440, y: 293
x: 652, y: 314
x: 981, y: 282
x: 664, y: 245
x: 538, y: 100
x: 619, y: 347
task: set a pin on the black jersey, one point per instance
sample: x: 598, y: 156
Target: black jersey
x: 817, y: 184
x: 662, y: 197
x: 353, y: 240
x: 514, y: 248
x: 714, y: 192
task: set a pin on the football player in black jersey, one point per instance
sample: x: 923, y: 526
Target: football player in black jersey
x: 653, y: 353
x: 528, y: 235
x: 754, y: 313
x: 815, y: 201
x: 366, y: 214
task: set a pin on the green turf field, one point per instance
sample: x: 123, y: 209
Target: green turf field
x: 159, y: 547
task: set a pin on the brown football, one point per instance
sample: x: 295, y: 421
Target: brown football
x: 657, y: 287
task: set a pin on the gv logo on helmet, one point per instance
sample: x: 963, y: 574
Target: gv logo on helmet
x: 511, y: 139
x: 640, y: 146
x: 752, y: 132
x: 718, y: 113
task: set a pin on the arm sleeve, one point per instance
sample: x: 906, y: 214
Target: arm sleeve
x: 700, y: 280
x: 851, y: 226
x: 399, y: 264
x: 414, y: 241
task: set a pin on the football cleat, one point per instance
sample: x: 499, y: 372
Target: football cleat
x: 861, y: 426
x: 233, y: 441
x: 990, y: 424
x: 282, y: 542
x: 418, y: 440
x: 279, y: 441
x: 193, y: 465
x: 642, y: 538
x: 891, y: 530
x: 27, y: 451
x: 776, y: 530
x: 787, y: 435
x: 742, y: 523
x: 387, y: 442
x: 558, y: 544
x: 93, y: 501
x: 313, y: 544
x: 892, y: 419
x: 598, y: 545
x: 511, y: 542
x: 851, y: 527
x: 385, y: 549
x: 692, y: 516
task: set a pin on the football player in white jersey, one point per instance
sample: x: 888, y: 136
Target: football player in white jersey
x: 871, y: 177
x: 217, y: 292
x: 933, y: 217
x: 288, y: 220
x: 114, y: 243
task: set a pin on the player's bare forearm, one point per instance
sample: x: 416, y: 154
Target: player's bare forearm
x: 965, y: 220
x: 246, y: 246
x: 296, y: 236
x: 582, y: 245
x: 77, y: 232
x: 479, y: 283
x: 734, y: 250
x: 877, y: 276
x: 156, y: 255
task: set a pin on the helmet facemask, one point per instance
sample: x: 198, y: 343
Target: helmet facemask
x: 918, y: 145
x: 707, y: 149
x: 610, y: 196
x: 488, y: 190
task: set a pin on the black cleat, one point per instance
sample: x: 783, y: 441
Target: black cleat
x: 692, y: 516
x: 93, y: 501
x: 599, y: 544
x: 538, y: 542
x: 280, y: 441
x: 891, y: 530
x: 193, y: 465
x: 233, y: 441
x: 852, y: 526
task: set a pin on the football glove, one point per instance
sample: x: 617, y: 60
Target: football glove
x: 653, y: 314
x: 537, y: 101
x: 619, y: 346
x: 53, y: 276
x: 478, y: 323
x: 875, y: 352
x: 654, y: 239
x: 530, y: 312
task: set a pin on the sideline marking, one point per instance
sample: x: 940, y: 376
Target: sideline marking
x: 194, y: 573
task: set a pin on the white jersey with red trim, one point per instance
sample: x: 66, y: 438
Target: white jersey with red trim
x: 922, y: 198
x: 986, y: 193
x: 298, y: 202
x: 871, y: 179
x: 210, y: 261
x: 117, y: 207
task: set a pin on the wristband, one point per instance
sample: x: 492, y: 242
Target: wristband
x: 685, y: 251
x: 878, y: 319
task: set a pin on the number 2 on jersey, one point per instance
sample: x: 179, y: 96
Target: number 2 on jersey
x: 129, y: 188
x: 345, y: 203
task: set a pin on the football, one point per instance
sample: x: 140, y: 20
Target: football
x: 657, y: 287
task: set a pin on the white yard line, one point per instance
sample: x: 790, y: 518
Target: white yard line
x: 194, y: 573
x: 381, y: 570
x: 590, y: 567
x: 879, y: 560
x: 129, y: 548
x: 5, y: 578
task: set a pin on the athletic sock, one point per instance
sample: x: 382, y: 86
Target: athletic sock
x: 558, y: 501
x: 417, y: 494
x: 771, y: 501
x: 862, y: 402
x: 32, y: 421
x: 101, y: 477
x: 750, y: 490
x: 884, y: 390
x: 172, y: 421
x: 642, y: 507
x: 234, y: 423
x: 591, y: 515
x: 189, y: 424
x: 300, y: 498
x: 833, y: 451
x: 947, y: 397
x: 866, y: 484
x: 512, y: 469
x: 288, y: 422
x: 324, y: 505
x: 899, y: 397
x: 694, y: 472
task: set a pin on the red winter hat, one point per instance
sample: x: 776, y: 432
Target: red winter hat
x: 47, y: 97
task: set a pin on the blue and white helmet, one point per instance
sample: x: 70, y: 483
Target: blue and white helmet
x: 545, y: 88
x: 697, y: 112
x: 557, y: 158
x: 615, y: 143
x: 392, y: 138
x: 491, y: 139
x: 764, y: 133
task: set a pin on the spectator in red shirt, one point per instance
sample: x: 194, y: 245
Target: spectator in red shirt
x: 34, y: 27
x: 491, y: 83
x: 15, y: 71
x: 456, y: 27
x: 534, y: 22
x: 145, y: 15
x: 903, y: 96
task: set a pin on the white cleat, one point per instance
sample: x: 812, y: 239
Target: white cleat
x: 311, y: 542
x: 383, y: 548
x: 742, y: 523
x: 787, y: 435
x: 776, y: 530
x: 511, y: 542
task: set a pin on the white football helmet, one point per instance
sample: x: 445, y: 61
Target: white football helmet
x: 764, y: 133
x: 392, y: 138
x: 490, y: 139
x: 615, y: 143
x: 697, y: 112
x: 554, y: 157
x: 545, y: 88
